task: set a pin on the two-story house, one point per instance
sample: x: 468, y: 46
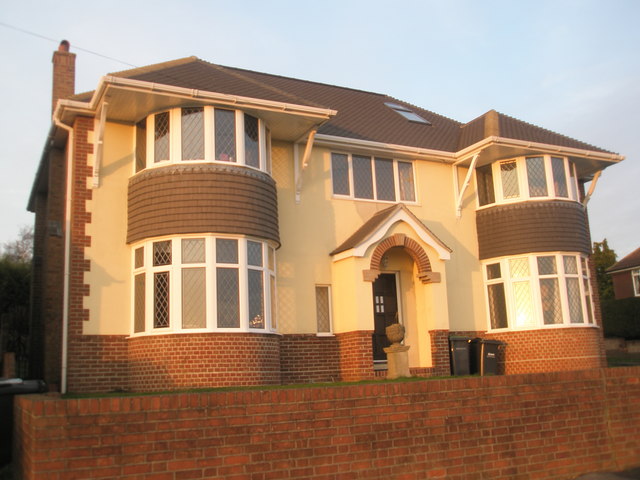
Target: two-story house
x: 199, y: 225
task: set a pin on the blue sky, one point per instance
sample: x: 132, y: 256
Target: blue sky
x: 567, y: 65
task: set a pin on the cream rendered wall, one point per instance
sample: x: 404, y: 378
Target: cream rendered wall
x: 110, y: 275
x: 315, y: 226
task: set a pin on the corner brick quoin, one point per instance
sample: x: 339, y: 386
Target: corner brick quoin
x: 545, y: 426
x: 413, y: 248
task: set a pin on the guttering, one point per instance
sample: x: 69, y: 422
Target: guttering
x: 545, y: 147
x: 234, y: 100
x: 390, y: 148
x: 67, y: 254
x: 100, y: 146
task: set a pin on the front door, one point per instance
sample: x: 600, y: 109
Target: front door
x: 385, y: 312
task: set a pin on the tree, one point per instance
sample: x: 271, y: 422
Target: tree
x: 21, y: 249
x: 15, y: 280
x: 603, y: 258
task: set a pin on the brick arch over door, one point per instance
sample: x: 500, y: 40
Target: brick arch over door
x: 414, y: 250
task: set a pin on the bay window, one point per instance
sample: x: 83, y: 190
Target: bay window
x: 538, y: 291
x: 203, y: 283
x: 202, y: 134
x: 526, y: 178
x: 372, y: 178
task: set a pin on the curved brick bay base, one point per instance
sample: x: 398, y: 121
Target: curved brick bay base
x: 168, y: 362
x: 551, y: 350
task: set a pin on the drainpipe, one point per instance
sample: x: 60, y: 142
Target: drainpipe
x: 467, y: 179
x: 99, y: 148
x: 67, y: 255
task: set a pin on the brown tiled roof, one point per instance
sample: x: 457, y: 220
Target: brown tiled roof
x: 509, y: 127
x: 630, y: 261
x: 375, y: 222
x: 361, y: 115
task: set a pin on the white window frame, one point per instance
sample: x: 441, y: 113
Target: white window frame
x: 175, y: 140
x: 534, y: 282
x: 635, y: 280
x: 396, y: 179
x: 329, y: 308
x: 175, y: 295
x: 523, y: 184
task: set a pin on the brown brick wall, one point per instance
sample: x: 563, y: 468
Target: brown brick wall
x: 308, y: 358
x: 169, y: 362
x: 206, y: 198
x: 551, y: 350
x: 623, y: 284
x: 551, y: 426
x: 532, y: 227
x: 355, y: 350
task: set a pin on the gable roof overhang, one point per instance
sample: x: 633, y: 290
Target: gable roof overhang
x: 493, y: 148
x: 131, y: 100
x: 375, y: 229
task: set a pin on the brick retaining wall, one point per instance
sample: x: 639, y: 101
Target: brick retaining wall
x: 535, y: 426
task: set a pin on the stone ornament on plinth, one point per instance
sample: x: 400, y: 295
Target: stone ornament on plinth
x: 397, y: 356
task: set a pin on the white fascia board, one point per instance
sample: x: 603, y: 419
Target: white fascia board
x: 390, y: 148
x: 236, y: 100
x: 400, y: 216
x: 465, y: 154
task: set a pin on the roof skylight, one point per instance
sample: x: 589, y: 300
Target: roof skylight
x: 407, y: 113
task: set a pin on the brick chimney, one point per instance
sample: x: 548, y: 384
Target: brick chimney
x: 64, y: 74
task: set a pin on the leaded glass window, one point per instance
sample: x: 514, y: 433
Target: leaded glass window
x: 559, y: 177
x: 139, y: 300
x: 227, y: 297
x: 362, y: 177
x: 225, y: 135
x: 405, y: 180
x: 141, y: 145
x: 233, y: 289
x: 193, y: 133
x: 251, y: 144
x: 537, y: 177
x: 385, y: 185
x: 193, y: 250
x: 161, y: 312
x: 254, y: 253
x: 340, y: 174
x: 162, y: 253
x: 256, y: 299
x: 509, y: 176
x: 161, y: 144
x: 226, y: 250
x: 497, y: 306
x: 323, y: 309
x: 194, y: 302
x: 484, y: 179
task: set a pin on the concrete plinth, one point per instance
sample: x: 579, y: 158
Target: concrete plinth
x: 397, y: 361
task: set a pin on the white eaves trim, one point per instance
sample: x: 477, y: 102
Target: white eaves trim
x: 467, y: 153
x: 390, y: 148
x: 444, y: 252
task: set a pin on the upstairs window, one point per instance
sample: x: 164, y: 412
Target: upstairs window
x: 372, y: 178
x: 526, y: 178
x: 202, y: 134
x: 635, y: 276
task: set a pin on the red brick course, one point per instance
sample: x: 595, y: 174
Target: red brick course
x: 536, y: 426
x: 306, y: 358
x: 169, y: 362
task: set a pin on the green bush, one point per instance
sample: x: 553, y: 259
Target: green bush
x: 621, y: 318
